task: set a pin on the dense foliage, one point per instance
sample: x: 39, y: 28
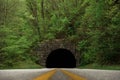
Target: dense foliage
x: 93, y: 25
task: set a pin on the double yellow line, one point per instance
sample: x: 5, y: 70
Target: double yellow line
x: 73, y: 76
x: 45, y: 76
x: 48, y: 75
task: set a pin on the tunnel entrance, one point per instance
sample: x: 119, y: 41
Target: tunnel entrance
x: 61, y: 58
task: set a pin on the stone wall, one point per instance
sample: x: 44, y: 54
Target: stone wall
x: 45, y: 48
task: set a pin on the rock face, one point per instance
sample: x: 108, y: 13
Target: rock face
x: 46, y: 47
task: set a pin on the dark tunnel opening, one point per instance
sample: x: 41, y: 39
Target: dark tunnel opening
x: 61, y: 58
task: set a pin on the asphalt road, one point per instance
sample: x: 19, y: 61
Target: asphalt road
x: 30, y: 74
x: 59, y: 76
x: 94, y: 74
x: 21, y: 74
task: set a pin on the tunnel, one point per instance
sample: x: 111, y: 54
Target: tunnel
x: 61, y: 58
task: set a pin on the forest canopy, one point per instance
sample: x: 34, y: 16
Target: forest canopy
x: 94, y: 25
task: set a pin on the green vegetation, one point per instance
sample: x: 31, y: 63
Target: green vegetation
x: 102, y: 67
x: 93, y: 25
x: 28, y: 64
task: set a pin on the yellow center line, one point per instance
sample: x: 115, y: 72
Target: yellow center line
x: 46, y: 75
x: 73, y: 76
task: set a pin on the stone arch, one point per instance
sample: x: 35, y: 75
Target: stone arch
x: 45, y: 48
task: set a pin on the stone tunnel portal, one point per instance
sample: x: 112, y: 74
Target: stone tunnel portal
x: 61, y: 58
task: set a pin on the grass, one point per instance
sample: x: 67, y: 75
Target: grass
x: 103, y: 67
x: 26, y: 65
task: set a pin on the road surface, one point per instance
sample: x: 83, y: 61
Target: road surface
x: 59, y: 74
x: 21, y: 74
x: 93, y: 74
